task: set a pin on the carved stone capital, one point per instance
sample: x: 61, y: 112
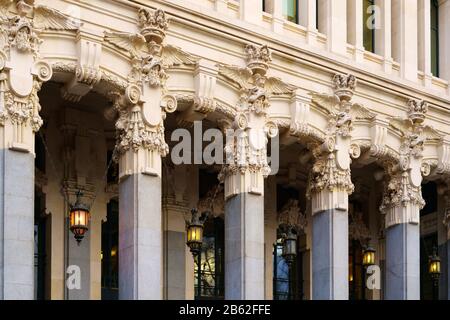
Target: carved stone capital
x: 246, y: 163
x: 138, y: 137
x: 330, y: 178
x: 402, y: 199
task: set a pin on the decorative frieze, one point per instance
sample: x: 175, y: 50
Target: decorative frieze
x: 246, y: 146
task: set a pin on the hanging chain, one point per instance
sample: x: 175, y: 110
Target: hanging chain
x: 111, y: 161
x: 48, y: 152
x: 216, y: 191
x: 52, y: 162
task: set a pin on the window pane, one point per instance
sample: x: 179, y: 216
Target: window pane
x: 368, y: 31
x: 290, y: 10
x: 434, y: 24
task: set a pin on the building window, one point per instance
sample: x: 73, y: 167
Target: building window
x: 317, y: 14
x: 434, y: 24
x: 287, y: 285
x: 356, y: 271
x: 427, y: 243
x: 41, y: 247
x: 290, y: 10
x: 368, y: 26
x: 209, y: 275
x: 110, y: 253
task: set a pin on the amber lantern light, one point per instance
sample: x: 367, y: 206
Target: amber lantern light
x: 368, y: 256
x: 289, y: 246
x: 434, y: 269
x: 79, y: 218
x: 434, y: 265
x: 194, y: 230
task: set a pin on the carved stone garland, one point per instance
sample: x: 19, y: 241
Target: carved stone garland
x: 247, y: 137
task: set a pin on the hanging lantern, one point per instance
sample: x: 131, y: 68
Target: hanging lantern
x: 79, y: 218
x: 194, y: 229
x: 368, y: 256
x: 434, y: 265
x: 289, y: 246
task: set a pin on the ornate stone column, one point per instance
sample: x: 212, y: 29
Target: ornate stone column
x: 401, y: 205
x: 139, y: 149
x: 22, y: 73
x: 244, y: 172
x: 329, y: 186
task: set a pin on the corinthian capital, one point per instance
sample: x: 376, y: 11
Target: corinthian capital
x: 136, y: 135
x: 246, y: 163
x: 402, y: 197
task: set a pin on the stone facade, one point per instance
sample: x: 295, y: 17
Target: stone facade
x: 87, y: 87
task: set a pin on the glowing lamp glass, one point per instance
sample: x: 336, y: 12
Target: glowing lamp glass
x: 369, y: 257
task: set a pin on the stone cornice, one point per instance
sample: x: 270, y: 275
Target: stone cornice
x: 286, y: 49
